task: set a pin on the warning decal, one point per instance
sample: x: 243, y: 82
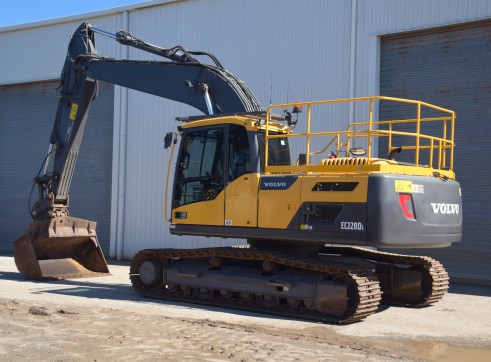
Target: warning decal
x: 408, y: 187
x: 73, y: 111
x: 404, y: 186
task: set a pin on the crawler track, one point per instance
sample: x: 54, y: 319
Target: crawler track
x: 424, y: 281
x: 434, y: 283
x: 363, y: 289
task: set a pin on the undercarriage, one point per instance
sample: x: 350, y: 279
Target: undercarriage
x: 333, y: 285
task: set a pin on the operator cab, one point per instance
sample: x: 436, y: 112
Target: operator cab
x: 213, y: 156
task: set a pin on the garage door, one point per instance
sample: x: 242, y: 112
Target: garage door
x: 26, y: 119
x: 450, y: 67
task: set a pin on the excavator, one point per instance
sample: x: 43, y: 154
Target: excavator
x: 315, y: 206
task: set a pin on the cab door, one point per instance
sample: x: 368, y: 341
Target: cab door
x: 200, y: 177
x: 242, y: 180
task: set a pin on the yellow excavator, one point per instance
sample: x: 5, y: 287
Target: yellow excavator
x: 313, y: 221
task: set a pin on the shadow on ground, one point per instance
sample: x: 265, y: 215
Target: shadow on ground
x: 110, y: 291
x: 470, y: 290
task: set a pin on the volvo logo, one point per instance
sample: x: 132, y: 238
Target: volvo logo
x: 277, y: 182
x: 444, y: 209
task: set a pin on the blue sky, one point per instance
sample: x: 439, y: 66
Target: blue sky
x: 15, y: 12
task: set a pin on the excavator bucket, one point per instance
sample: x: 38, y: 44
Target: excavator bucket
x: 60, y: 248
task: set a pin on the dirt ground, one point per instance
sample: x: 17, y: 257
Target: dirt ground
x: 103, y: 319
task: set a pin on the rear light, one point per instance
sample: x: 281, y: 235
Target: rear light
x: 406, y: 201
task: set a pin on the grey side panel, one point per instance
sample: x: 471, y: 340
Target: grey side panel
x: 436, y: 209
x: 450, y: 67
x: 346, y: 220
x: 26, y: 117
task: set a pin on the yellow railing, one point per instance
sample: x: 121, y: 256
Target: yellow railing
x: 371, y: 130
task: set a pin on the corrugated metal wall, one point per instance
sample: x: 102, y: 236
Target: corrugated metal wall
x: 285, y: 50
x: 38, y: 53
x: 257, y: 42
x: 449, y: 67
x: 26, y: 118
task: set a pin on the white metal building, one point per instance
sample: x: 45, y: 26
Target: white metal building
x: 285, y: 50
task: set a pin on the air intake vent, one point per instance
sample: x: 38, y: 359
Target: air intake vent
x: 335, y: 186
x: 345, y: 161
x: 322, y: 214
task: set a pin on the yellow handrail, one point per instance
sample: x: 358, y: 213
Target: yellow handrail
x: 371, y: 129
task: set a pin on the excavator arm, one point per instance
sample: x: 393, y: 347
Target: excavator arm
x: 55, y: 244
x: 209, y: 88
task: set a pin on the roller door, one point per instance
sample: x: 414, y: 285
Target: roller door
x: 26, y: 118
x: 450, y: 67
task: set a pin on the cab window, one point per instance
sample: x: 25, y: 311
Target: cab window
x: 278, y: 151
x: 200, y: 171
x: 239, y: 158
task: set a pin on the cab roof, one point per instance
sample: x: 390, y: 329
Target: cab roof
x: 253, y: 121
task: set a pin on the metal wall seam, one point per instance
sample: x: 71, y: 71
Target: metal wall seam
x: 352, y: 68
x: 373, y: 75
x: 113, y: 247
x: 119, y: 160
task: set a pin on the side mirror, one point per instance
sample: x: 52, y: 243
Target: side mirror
x: 359, y: 151
x: 169, y: 137
x: 302, y: 159
x: 393, y: 154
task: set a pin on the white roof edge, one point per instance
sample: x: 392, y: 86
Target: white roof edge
x: 463, y: 22
x: 30, y: 81
x: 93, y: 14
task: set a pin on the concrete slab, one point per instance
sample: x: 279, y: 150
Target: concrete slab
x: 460, y: 322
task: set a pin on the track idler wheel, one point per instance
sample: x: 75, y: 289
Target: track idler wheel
x: 151, y: 272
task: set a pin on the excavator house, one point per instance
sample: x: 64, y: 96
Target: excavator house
x: 314, y: 204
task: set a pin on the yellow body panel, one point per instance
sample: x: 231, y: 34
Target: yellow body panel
x: 379, y: 167
x: 241, y: 201
x: 209, y: 212
x: 278, y: 207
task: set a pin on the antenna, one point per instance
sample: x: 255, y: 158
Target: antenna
x: 271, y: 84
